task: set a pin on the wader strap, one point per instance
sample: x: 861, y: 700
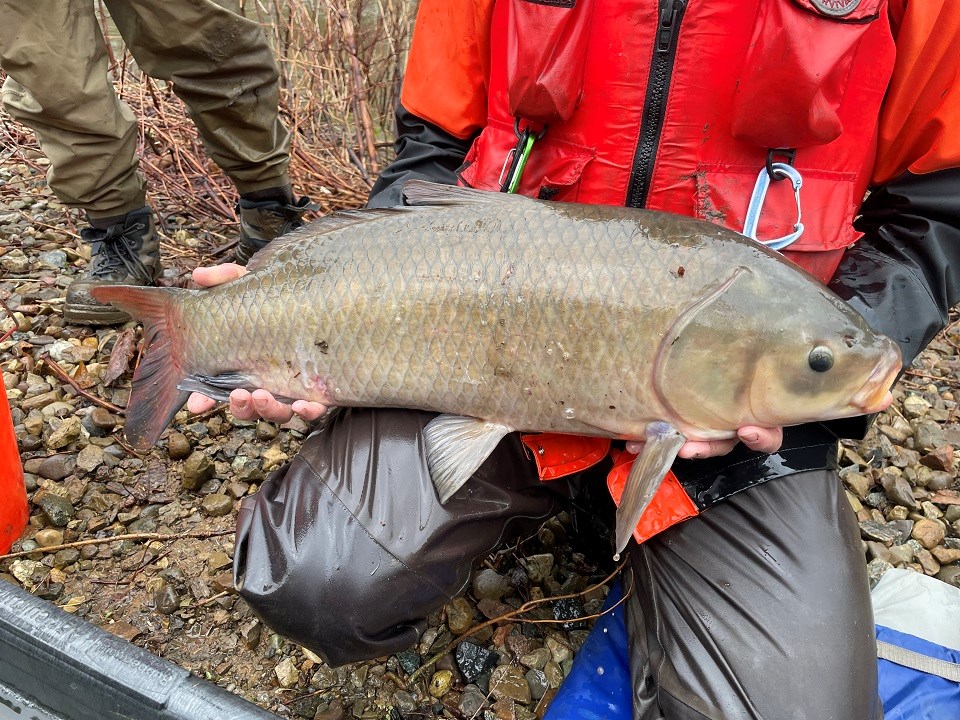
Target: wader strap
x: 917, y: 661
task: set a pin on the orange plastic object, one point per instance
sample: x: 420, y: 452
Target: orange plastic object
x: 669, y: 505
x: 14, y: 510
x: 560, y: 455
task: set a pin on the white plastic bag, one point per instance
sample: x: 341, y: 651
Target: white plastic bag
x: 921, y: 606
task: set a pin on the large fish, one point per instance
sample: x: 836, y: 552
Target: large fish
x: 505, y: 313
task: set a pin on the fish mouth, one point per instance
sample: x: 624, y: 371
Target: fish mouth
x: 875, y: 396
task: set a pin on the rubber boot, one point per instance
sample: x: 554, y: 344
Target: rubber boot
x: 264, y: 220
x: 126, y: 253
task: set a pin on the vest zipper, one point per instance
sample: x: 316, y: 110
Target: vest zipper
x: 655, y: 103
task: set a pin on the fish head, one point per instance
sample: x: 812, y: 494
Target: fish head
x: 772, y: 351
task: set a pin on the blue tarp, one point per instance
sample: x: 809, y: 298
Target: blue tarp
x: 598, y: 687
x: 910, y: 694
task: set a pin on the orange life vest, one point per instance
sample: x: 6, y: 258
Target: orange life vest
x: 678, y: 106
x: 675, y: 105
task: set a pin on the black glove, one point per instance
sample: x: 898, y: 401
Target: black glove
x: 424, y: 152
x: 904, y: 275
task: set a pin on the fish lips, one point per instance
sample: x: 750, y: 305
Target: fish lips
x: 873, y: 396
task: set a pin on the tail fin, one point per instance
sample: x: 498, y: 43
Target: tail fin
x: 154, y: 399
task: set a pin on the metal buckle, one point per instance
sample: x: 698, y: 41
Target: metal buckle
x: 516, y: 159
x: 773, y: 171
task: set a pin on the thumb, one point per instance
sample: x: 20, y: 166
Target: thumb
x: 217, y: 274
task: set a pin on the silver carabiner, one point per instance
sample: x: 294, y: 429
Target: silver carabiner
x: 758, y: 197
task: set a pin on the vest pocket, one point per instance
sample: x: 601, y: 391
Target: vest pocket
x: 553, y: 170
x: 827, y: 199
x: 796, y: 71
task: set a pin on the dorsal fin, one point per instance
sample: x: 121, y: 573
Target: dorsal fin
x: 306, y: 236
x: 421, y: 192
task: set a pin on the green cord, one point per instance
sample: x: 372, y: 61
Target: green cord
x: 515, y: 180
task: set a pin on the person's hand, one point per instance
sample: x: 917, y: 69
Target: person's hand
x: 764, y: 440
x: 245, y: 405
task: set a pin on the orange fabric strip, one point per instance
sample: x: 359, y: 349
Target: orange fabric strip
x: 559, y: 455
x: 670, y: 504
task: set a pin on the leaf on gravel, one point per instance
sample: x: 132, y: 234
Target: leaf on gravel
x: 120, y: 357
x: 73, y: 604
x: 82, y: 377
x: 946, y: 497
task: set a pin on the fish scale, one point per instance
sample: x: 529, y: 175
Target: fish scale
x: 515, y: 314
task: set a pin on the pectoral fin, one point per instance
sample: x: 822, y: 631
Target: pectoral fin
x: 216, y: 387
x: 663, y: 443
x: 456, y: 446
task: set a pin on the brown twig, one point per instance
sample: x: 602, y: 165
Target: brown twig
x: 13, y: 317
x: 62, y: 374
x: 213, y: 598
x: 526, y: 607
x: 936, y: 378
x: 163, y: 537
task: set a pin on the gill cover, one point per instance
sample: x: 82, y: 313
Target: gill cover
x: 705, y: 363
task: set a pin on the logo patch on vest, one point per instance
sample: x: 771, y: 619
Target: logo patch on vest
x: 836, y: 8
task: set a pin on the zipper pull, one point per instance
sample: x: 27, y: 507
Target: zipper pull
x: 668, y: 20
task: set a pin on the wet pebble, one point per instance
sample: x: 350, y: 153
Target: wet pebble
x: 409, y: 661
x: 405, y: 702
x: 166, y: 600
x: 472, y: 701
x: 537, y: 682
x: 489, y: 585
x: 57, y: 467
x: 440, y: 683
x: 508, y: 681
x: 58, y: 509
x: 568, y: 609
x: 474, y: 660
x: 197, y: 469
x: 559, y: 648
x: 460, y: 616
x: 929, y: 533
x: 178, y: 446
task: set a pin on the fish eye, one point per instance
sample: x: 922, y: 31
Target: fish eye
x: 820, y: 359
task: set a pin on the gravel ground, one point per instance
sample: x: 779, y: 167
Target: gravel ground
x: 171, y: 592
